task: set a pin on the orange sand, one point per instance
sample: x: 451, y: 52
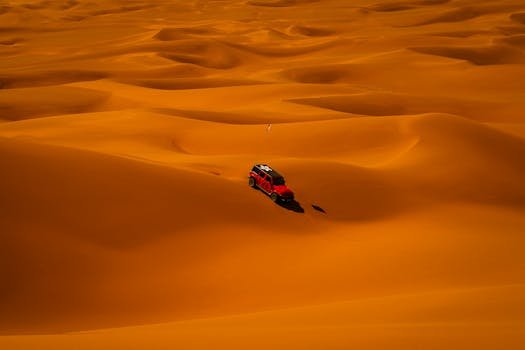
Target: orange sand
x: 127, y: 129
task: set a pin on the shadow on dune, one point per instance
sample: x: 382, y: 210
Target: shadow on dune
x: 318, y: 208
x: 293, y: 206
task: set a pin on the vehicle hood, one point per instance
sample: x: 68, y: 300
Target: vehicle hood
x: 283, y: 190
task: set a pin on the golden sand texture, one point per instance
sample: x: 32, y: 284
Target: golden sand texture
x: 127, y: 129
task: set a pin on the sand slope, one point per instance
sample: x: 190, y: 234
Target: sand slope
x: 450, y: 319
x: 127, y: 129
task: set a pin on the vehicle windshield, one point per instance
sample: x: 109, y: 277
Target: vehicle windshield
x: 278, y: 181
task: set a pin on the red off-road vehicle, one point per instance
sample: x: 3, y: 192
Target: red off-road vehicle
x: 271, y: 182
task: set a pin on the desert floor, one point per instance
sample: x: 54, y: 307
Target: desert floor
x: 127, y: 130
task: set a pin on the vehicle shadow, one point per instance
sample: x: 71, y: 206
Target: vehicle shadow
x: 293, y: 206
x: 318, y: 208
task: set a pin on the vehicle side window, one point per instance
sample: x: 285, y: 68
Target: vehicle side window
x: 278, y: 181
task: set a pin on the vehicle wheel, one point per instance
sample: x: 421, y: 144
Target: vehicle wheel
x: 251, y: 182
x: 274, y: 197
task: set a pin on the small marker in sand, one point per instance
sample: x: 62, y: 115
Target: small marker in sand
x: 268, y: 127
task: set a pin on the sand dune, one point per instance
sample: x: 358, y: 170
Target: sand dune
x: 362, y: 323
x: 189, y: 83
x: 127, y: 130
x: 167, y: 34
x: 518, y: 17
x: 311, y: 31
x: 469, y: 12
x: 517, y: 40
x: 48, y: 78
x: 279, y: 3
x: 394, y: 105
x: 16, y: 104
x: 495, y: 54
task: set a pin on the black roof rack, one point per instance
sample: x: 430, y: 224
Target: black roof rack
x: 274, y: 174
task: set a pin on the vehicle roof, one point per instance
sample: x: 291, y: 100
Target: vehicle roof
x: 265, y: 168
